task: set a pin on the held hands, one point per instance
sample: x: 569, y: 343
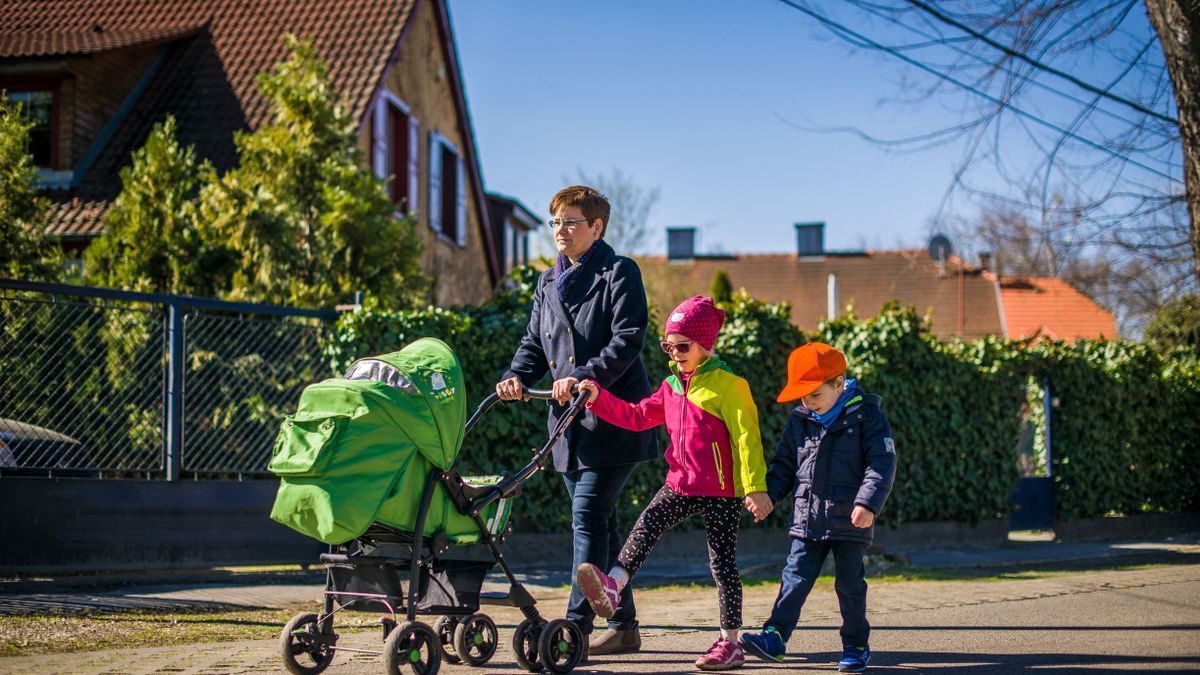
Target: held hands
x: 862, y: 517
x: 759, y: 504
x: 591, y: 388
x: 562, y: 389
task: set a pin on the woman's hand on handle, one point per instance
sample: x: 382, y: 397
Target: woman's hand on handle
x: 510, y: 389
x: 562, y: 389
x: 592, y: 389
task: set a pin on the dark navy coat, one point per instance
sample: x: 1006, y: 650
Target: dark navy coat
x: 853, y: 463
x: 597, y: 334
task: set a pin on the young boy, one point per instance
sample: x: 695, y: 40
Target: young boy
x: 838, y: 455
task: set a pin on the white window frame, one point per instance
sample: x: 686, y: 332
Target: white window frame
x: 382, y: 152
x: 436, y: 143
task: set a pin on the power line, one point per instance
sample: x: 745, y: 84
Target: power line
x: 1038, y: 64
x: 865, y: 41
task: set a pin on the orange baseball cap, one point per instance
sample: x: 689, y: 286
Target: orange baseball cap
x: 810, y: 366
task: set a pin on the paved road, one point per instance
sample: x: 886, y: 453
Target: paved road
x: 1118, y: 621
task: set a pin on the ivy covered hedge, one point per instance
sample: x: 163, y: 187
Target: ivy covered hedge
x: 1124, y: 417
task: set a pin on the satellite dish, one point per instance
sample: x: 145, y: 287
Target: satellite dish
x: 939, y: 247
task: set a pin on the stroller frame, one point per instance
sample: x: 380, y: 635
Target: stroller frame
x: 462, y: 633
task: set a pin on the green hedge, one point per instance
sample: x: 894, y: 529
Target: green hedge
x: 1123, y: 420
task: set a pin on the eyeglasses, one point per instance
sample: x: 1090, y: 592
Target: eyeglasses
x: 681, y: 347
x: 570, y: 225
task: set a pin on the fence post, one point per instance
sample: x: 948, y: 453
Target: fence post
x: 1048, y: 410
x: 175, y: 363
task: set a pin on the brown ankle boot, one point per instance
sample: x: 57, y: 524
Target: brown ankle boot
x: 616, y: 641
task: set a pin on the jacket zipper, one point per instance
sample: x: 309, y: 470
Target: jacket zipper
x: 680, y: 449
x: 720, y: 469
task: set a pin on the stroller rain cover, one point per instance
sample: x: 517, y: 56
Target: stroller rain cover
x: 360, y: 449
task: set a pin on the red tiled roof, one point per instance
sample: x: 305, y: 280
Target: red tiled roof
x: 1050, y: 307
x: 68, y: 43
x: 962, y: 301
x: 73, y: 218
x: 207, y: 81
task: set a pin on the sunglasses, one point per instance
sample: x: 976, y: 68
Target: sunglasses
x: 681, y: 347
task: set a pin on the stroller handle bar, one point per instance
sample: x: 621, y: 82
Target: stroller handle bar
x: 509, y: 483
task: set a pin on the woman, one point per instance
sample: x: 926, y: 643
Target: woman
x: 588, y: 322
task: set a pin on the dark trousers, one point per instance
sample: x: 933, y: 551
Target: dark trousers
x: 803, y: 566
x: 668, y: 509
x: 597, y: 540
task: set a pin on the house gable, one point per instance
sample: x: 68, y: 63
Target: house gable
x: 423, y: 87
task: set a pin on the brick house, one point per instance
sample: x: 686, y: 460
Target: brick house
x: 962, y: 300
x: 96, y: 76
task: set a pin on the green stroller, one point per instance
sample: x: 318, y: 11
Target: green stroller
x: 366, y: 464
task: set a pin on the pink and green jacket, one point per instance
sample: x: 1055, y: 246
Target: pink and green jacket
x: 716, y: 447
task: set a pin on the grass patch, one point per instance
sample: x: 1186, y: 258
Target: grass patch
x: 40, y: 634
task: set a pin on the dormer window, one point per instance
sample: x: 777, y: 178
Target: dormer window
x: 38, y: 104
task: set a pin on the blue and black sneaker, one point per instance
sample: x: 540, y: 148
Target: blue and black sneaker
x: 767, y: 645
x: 854, y: 659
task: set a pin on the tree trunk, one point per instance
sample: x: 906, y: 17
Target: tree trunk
x: 1177, y: 23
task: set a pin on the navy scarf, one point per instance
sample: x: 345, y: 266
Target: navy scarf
x: 566, y: 272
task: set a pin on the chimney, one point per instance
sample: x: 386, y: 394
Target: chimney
x: 985, y: 260
x: 810, y: 240
x: 681, y: 243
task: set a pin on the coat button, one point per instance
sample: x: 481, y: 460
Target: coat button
x: 553, y: 364
x: 547, y: 335
x: 570, y: 359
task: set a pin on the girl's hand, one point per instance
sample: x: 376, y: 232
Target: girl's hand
x: 759, y: 504
x: 591, y: 388
x: 861, y: 516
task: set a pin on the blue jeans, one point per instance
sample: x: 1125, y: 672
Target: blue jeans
x: 803, y: 566
x: 594, y: 495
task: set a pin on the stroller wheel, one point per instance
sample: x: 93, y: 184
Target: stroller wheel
x: 444, y: 627
x: 306, y: 649
x: 412, y: 647
x: 525, y: 644
x: 475, y: 639
x: 560, y: 646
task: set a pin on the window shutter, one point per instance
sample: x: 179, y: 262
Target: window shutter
x: 461, y: 201
x: 379, y: 139
x: 435, y: 181
x: 414, y: 163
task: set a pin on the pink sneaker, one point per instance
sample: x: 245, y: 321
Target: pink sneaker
x: 723, y: 655
x: 599, y: 588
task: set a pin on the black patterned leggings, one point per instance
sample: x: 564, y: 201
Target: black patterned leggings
x: 668, y: 509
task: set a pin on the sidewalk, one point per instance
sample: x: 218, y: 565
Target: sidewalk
x: 681, y: 560
x: 1133, y: 620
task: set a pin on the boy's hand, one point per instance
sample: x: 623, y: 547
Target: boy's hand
x: 759, y: 504
x: 861, y: 516
x: 591, y: 388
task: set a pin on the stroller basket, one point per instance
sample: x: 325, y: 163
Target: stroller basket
x: 443, y: 587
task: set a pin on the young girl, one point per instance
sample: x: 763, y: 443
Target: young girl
x: 715, y: 461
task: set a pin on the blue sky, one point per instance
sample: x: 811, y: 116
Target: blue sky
x: 701, y: 99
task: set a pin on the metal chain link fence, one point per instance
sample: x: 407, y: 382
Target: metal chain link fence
x: 85, y: 381
x: 243, y: 377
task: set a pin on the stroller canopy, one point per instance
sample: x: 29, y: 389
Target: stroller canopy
x: 358, y: 445
x: 434, y: 409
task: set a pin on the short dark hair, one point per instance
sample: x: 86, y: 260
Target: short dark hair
x: 589, y: 200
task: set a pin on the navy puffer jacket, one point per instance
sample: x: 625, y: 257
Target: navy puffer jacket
x: 831, y: 471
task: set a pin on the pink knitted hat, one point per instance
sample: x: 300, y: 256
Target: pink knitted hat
x: 697, y: 318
